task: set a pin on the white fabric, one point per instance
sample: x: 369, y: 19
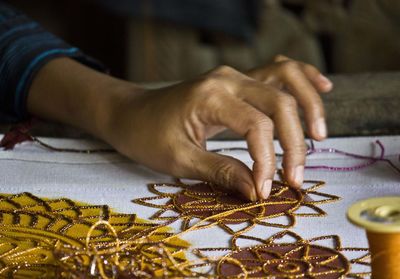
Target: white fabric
x: 112, y: 179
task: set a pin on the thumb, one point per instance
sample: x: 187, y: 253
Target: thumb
x: 223, y: 171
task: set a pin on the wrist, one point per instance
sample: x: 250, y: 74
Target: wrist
x: 109, y: 98
x: 71, y: 93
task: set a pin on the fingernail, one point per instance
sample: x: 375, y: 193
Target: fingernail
x: 253, y: 196
x: 266, y: 188
x: 320, y: 127
x: 325, y: 80
x: 299, y: 175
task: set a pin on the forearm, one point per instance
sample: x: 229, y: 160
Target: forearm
x: 69, y: 92
x: 25, y: 47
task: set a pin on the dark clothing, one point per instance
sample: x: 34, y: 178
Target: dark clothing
x: 24, y: 48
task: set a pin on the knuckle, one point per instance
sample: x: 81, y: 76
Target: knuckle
x: 208, y: 91
x: 259, y: 121
x: 261, y: 125
x: 289, y: 66
x: 311, y: 69
x: 270, y: 162
x: 223, y: 174
x: 265, y: 124
x: 207, y: 85
x: 298, y: 149
x: 286, y: 101
x: 223, y: 70
x: 279, y: 57
x: 314, y: 108
x: 269, y: 159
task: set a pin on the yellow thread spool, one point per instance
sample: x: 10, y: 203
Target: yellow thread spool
x: 380, y: 217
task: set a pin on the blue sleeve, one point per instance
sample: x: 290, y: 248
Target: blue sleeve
x: 24, y: 48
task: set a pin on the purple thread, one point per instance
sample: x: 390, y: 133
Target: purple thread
x: 312, y: 150
x: 372, y: 160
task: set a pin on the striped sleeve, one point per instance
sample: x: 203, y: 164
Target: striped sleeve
x: 24, y: 48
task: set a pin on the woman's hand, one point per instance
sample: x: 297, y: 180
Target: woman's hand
x: 166, y: 129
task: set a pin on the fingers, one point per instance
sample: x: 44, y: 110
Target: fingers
x: 283, y: 110
x: 257, y: 128
x: 319, y: 81
x: 244, y: 105
x: 291, y: 138
x: 307, y: 97
x: 223, y: 170
x: 304, y: 82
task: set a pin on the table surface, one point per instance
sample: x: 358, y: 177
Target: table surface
x: 114, y: 180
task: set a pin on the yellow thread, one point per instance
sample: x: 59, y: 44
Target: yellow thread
x: 39, y: 237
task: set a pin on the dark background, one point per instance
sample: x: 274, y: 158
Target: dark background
x: 357, y: 42
x: 161, y: 40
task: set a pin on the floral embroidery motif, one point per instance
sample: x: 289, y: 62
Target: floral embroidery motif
x: 298, y: 258
x: 39, y: 238
x: 203, y: 200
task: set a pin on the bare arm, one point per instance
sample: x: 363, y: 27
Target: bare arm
x: 166, y: 129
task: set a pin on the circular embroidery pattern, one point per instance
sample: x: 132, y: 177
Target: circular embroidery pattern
x: 284, y: 261
x: 298, y: 258
x: 204, y: 200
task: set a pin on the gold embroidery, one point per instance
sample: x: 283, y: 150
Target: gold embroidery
x: 40, y: 237
x: 299, y: 258
x: 204, y: 200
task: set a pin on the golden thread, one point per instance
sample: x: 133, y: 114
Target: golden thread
x: 211, y: 202
x: 105, y: 244
x: 288, y: 262
x: 45, y: 238
x: 285, y: 260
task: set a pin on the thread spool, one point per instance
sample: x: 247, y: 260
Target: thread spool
x: 380, y: 217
